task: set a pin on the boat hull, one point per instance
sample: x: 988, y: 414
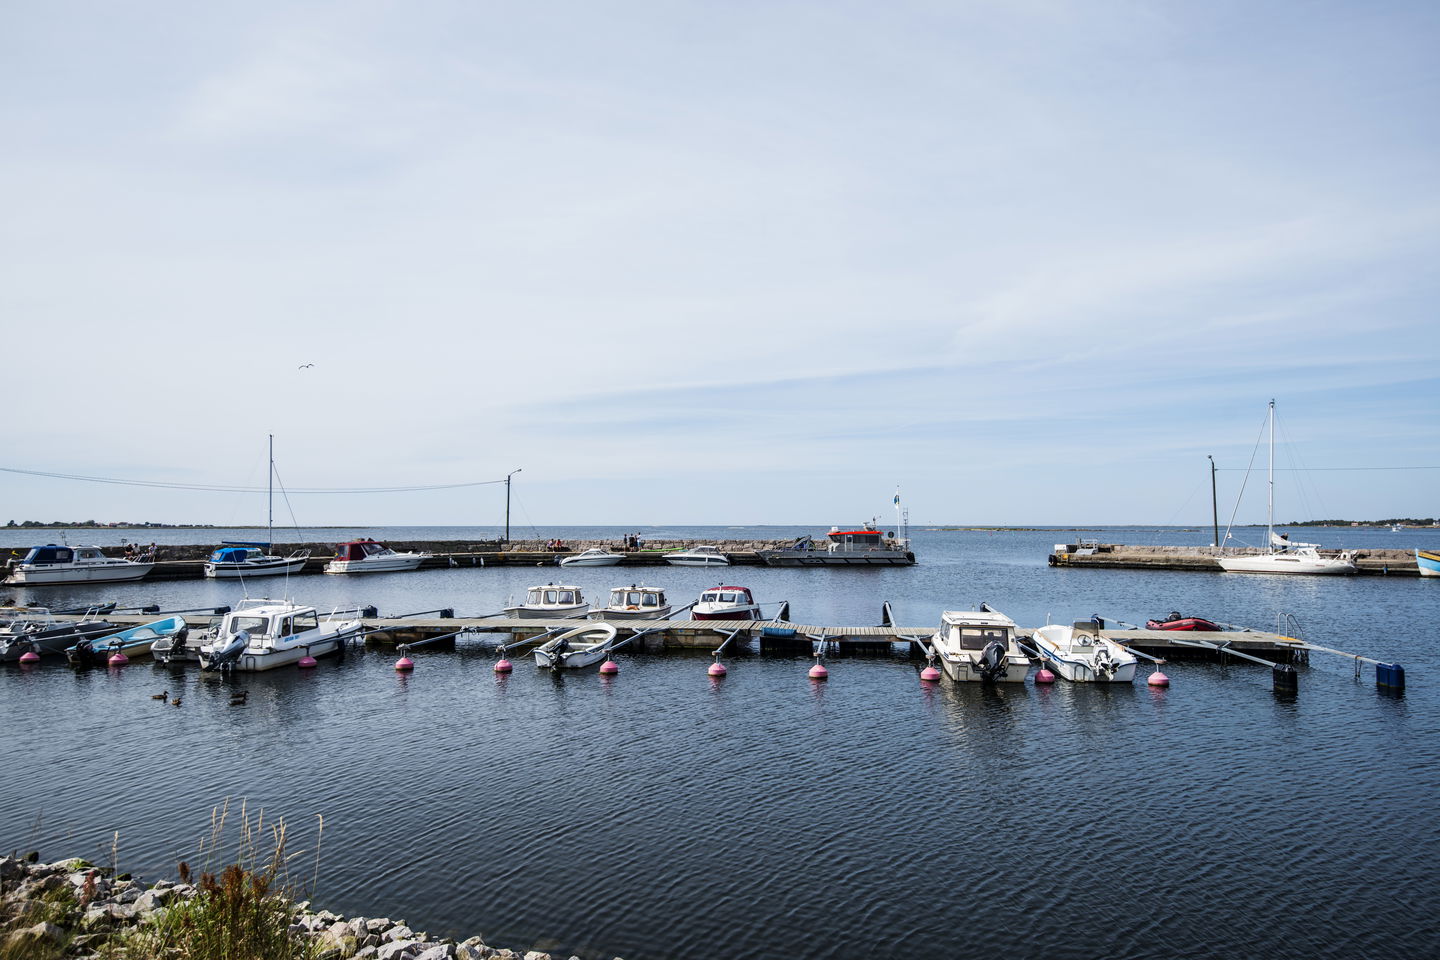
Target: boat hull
x: 590, y: 561
x: 268, y: 568
x: 399, y: 563
x: 648, y: 613
x: 729, y: 613
x: 548, y: 613
x: 1429, y: 563
x: 99, y: 573
x: 838, y: 558
x: 964, y: 668
x: 1184, y: 623
x: 1287, y: 564
x: 52, y: 641
x: 253, y: 660
x: 684, y: 559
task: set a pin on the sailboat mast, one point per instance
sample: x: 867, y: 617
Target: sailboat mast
x: 270, y: 495
x: 1270, y: 499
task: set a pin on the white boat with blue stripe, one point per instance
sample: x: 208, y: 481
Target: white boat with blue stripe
x: 1081, y: 655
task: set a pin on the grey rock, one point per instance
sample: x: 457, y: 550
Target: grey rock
x: 378, y: 924
x: 96, y: 918
x: 436, y: 951
x: 325, y: 916
x: 537, y: 955
x: 398, y: 950
x: 400, y: 932
x: 124, y: 912
x: 151, y: 900
x: 130, y: 894
x: 10, y: 868
x: 365, y: 953
x: 40, y: 933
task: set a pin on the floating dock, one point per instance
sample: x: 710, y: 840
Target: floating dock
x: 1119, y: 556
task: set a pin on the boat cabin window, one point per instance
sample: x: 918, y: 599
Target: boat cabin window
x: 255, y: 626
x: 709, y: 597
x: 89, y: 555
x: 371, y: 549
x: 49, y: 554
x: 975, y: 638
x: 567, y: 596
x: 299, y: 624
x: 533, y: 596
x: 650, y: 600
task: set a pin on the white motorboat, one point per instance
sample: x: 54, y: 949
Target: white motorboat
x: 979, y: 645
x: 703, y: 556
x: 726, y: 603
x: 634, y: 603
x: 262, y: 634
x: 62, y: 564
x: 1079, y: 654
x: 551, y: 602
x: 238, y: 561
x: 576, y: 648
x: 594, y: 557
x: 367, y: 556
x: 1428, y: 563
x: 1286, y: 557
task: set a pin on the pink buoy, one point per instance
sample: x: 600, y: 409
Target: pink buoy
x: 118, y: 659
x: 717, y: 669
x: 404, y: 664
x: 30, y: 656
x: 504, y: 666
x: 930, y: 674
x: 307, y: 661
x: 1158, y: 679
x: 818, y: 672
x: 1043, y: 675
x: 609, y: 668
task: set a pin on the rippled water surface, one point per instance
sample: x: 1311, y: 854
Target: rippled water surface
x: 663, y: 814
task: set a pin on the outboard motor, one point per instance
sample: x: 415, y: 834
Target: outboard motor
x: 1104, y: 664
x: 992, y: 661
x: 84, y: 654
x: 228, y: 654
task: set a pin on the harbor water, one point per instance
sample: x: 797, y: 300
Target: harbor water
x: 661, y: 814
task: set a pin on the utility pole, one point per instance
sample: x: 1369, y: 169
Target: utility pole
x: 507, y: 503
x: 1214, y: 509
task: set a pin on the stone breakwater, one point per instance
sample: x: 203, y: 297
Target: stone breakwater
x: 71, y: 908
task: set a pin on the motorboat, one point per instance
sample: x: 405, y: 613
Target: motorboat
x: 1080, y: 654
x: 702, y: 556
x: 594, y: 557
x: 979, y: 645
x: 35, y: 630
x: 1429, y: 563
x: 132, y: 643
x: 633, y: 603
x: 1285, y: 557
x: 262, y: 634
x: 576, y: 648
x: 63, y: 564
x: 185, y: 647
x: 239, y: 560
x: 726, y: 603
x: 367, y: 556
x: 1175, y: 621
x: 866, y: 546
x: 550, y: 601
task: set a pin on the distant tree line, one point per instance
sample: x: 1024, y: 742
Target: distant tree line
x: 1402, y: 521
x: 95, y: 523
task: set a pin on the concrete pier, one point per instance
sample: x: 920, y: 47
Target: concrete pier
x: 1119, y: 556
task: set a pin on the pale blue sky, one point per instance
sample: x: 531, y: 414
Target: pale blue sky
x: 730, y: 263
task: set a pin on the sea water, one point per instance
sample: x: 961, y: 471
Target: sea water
x: 664, y: 815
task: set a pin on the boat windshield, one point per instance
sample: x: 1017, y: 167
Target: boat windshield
x: 975, y: 638
x: 533, y: 596
x: 251, y: 625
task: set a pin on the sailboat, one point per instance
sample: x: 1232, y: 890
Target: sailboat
x: 237, y: 559
x: 1287, y: 557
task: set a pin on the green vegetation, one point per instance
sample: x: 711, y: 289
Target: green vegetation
x: 1394, y: 521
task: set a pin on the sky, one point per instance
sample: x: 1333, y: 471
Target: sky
x: 1030, y: 262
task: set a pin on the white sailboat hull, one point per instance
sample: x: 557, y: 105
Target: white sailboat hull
x: 388, y: 564
x: 235, y: 571
x: 79, y: 573
x: 1287, y: 563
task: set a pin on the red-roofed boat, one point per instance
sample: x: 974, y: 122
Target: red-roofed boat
x: 726, y: 603
x: 367, y: 556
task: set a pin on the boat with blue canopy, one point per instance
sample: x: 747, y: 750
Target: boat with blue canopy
x: 235, y: 560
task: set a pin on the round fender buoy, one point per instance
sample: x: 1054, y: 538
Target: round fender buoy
x: 118, y: 659
x: 717, y: 669
x: 609, y: 668
x: 818, y: 672
x: 404, y: 664
x: 504, y: 666
x: 930, y: 674
x: 30, y: 657
x: 1158, y: 679
x: 1043, y: 675
x: 306, y: 662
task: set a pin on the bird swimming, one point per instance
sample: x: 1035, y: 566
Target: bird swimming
x: 162, y: 695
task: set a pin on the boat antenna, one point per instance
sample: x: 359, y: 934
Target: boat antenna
x: 1214, y: 502
x: 270, y: 495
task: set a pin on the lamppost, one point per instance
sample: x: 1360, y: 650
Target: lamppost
x: 507, y: 502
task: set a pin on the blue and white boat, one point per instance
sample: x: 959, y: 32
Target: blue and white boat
x: 1429, y: 563
x: 237, y: 560
x: 1081, y: 655
x: 133, y: 643
x: 262, y: 634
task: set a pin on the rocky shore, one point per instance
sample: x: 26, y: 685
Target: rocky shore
x: 72, y: 909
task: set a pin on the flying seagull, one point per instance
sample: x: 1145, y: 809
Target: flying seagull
x: 304, y: 365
